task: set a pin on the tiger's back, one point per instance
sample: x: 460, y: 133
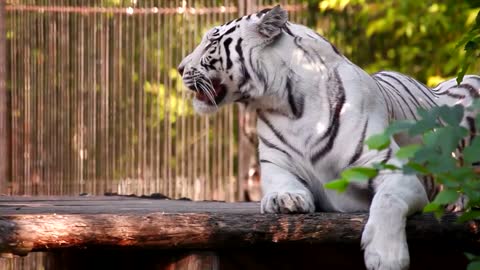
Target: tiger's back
x: 404, y: 96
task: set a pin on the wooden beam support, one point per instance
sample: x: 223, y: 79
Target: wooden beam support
x: 41, y: 225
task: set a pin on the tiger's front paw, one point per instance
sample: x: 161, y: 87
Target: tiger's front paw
x: 287, y: 202
x: 385, y: 248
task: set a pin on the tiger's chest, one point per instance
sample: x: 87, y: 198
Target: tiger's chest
x: 316, y: 150
x: 309, y: 145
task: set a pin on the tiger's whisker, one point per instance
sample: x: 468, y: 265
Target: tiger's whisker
x: 209, y: 95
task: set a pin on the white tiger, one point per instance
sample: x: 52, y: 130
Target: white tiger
x: 315, y: 108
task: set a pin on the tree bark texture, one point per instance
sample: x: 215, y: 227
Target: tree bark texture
x: 42, y: 225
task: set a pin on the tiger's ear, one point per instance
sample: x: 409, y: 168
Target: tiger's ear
x: 271, y: 23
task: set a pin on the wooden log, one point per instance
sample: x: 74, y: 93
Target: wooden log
x: 41, y: 225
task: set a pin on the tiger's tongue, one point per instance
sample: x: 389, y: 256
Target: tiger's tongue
x: 201, y: 96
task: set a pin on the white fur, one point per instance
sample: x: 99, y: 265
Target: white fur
x: 311, y: 69
x: 284, y: 193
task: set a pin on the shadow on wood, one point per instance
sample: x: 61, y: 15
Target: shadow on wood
x: 339, y: 257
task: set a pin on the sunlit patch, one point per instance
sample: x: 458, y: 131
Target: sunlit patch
x: 313, y: 67
x: 460, y: 102
x: 346, y: 107
x: 321, y: 127
x: 300, y: 58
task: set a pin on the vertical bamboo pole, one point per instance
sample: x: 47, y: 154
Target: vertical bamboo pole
x: 5, y: 130
x: 27, y: 125
x: 63, y: 91
x: 97, y: 34
x: 246, y: 151
x: 158, y: 128
x: 183, y: 154
x: 13, y: 67
x: 42, y: 156
x: 197, y: 144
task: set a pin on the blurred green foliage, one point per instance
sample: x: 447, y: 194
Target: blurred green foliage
x: 418, y: 38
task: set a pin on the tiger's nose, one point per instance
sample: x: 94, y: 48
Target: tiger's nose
x: 180, y: 69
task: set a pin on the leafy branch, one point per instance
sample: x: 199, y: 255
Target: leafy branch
x: 471, y: 44
x: 442, y: 155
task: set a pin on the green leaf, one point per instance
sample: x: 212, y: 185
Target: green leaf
x: 442, y: 141
x: 467, y: 216
x: 431, y: 207
x: 462, y: 173
x: 477, y: 119
x: 423, y: 126
x: 448, y: 182
x: 408, y: 151
x: 435, y: 208
x: 470, y: 256
x: 452, y: 115
x: 384, y: 166
x: 359, y: 174
x: 449, y: 138
x: 471, y: 191
x: 413, y: 168
x: 398, y: 126
x: 457, y: 178
x: 468, y: 58
x: 378, y: 141
x: 477, y: 19
x: 446, y: 196
x: 467, y: 37
x: 475, y: 265
x: 338, y: 184
x: 426, y: 153
x: 441, y: 164
x: 471, y: 153
x: 474, y: 106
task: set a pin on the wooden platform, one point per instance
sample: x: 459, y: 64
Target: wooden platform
x: 113, y: 225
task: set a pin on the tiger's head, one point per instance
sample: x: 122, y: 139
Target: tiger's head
x: 219, y: 70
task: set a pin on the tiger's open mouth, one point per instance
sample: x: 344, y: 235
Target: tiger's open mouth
x: 218, y: 94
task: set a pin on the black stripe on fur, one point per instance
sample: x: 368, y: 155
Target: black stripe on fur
x: 226, y: 44
x: 336, y: 106
x: 273, y: 146
x: 278, y: 134
x: 359, y: 148
x: 296, y: 104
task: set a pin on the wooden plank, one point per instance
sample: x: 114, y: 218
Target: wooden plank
x: 92, y: 205
x: 38, y: 224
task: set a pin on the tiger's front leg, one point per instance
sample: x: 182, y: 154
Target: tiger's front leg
x: 384, y: 237
x: 283, y: 191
